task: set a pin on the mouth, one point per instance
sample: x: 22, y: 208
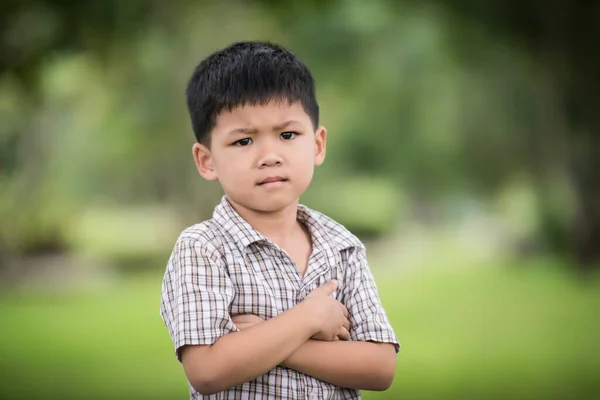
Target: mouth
x: 272, y: 180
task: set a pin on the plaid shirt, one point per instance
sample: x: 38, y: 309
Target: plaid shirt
x: 223, y: 267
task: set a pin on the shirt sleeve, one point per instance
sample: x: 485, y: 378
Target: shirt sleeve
x: 196, y: 295
x: 368, y: 319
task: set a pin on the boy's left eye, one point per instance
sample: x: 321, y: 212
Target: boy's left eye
x: 288, y: 135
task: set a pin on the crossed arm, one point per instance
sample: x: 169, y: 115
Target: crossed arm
x: 357, y: 365
x: 285, y: 340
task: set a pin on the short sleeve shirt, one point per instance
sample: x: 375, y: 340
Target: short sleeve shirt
x: 223, y: 267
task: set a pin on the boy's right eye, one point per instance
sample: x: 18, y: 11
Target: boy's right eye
x: 243, y: 142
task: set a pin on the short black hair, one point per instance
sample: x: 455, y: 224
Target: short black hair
x: 247, y: 73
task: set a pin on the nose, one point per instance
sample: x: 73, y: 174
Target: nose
x: 269, y: 157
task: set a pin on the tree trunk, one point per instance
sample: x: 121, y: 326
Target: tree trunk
x: 569, y: 40
x: 586, y: 176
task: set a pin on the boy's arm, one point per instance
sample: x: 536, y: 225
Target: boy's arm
x: 356, y: 365
x: 196, y: 296
x: 368, y: 361
x: 368, y: 319
x: 242, y: 356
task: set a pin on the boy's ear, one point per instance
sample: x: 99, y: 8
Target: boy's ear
x: 204, y: 162
x: 320, y: 142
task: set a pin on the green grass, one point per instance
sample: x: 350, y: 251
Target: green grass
x: 467, y: 333
x: 496, y: 333
x: 97, y: 346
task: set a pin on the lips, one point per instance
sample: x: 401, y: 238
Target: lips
x: 272, y: 179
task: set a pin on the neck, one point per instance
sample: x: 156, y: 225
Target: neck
x: 279, y: 226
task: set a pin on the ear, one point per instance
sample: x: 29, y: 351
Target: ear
x: 320, y: 145
x: 204, y: 162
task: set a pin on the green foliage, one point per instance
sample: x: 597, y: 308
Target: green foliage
x: 125, y: 234
x: 432, y: 108
x: 368, y: 206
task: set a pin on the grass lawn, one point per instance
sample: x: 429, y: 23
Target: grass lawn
x: 466, y: 333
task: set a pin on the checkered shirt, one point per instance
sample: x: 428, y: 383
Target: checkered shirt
x: 223, y: 267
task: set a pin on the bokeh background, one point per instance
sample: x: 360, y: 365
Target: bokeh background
x: 463, y: 149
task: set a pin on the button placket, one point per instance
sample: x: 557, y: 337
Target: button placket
x: 302, y: 293
x: 315, y: 270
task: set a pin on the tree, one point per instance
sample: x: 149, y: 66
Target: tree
x: 563, y: 37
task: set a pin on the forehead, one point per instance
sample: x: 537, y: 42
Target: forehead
x: 262, y: 116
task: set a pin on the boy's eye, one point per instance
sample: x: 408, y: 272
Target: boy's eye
x: 288, y: 135
x: 243, y: 142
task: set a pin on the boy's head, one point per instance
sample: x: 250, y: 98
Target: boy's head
x: 247, y: 74
x: 255, y: 117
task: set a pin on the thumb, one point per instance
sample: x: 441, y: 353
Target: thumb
x: 329, y: 287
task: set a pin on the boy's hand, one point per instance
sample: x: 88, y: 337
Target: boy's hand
x: 246, y: 321
x: 321, y: 294
x: 331, y: 315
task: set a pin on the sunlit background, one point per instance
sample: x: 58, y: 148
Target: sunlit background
x: 464, y: 149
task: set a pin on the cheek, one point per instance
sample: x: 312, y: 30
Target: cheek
x: 304, y: 152
x: 304, y: 165
x: 234, y: 174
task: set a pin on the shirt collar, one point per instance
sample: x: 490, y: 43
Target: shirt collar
x: 241, y: 231
x: 321, y: 239
x: 245, y: 235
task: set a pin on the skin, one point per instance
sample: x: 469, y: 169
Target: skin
x: 357, y: 365
x: 249, y: 145
x: 275, y: 140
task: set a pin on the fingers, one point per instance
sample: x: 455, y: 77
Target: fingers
x: 246, y: 319
x: 343, y: 334
x: 346, y: 324
x: 328, y: 287
x: 240, y: 319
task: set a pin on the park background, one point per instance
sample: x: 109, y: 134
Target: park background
x: 463, y: 149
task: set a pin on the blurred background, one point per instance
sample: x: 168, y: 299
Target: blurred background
x: 464, y: 149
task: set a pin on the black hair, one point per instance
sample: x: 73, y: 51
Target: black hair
x: 247, y: 73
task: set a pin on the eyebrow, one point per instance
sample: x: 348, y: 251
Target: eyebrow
x: 245, y: 131
x: 252, y: 131
x: 285, y: 125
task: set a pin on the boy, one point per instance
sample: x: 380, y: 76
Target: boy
x: 269, y: 299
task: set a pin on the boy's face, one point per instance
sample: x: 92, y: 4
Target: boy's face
x: 263, y: 156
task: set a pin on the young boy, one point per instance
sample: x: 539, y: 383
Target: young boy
x: 269, y: 299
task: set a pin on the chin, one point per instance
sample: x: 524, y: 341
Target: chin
x: 273, y: 204
x: 264, y: 203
